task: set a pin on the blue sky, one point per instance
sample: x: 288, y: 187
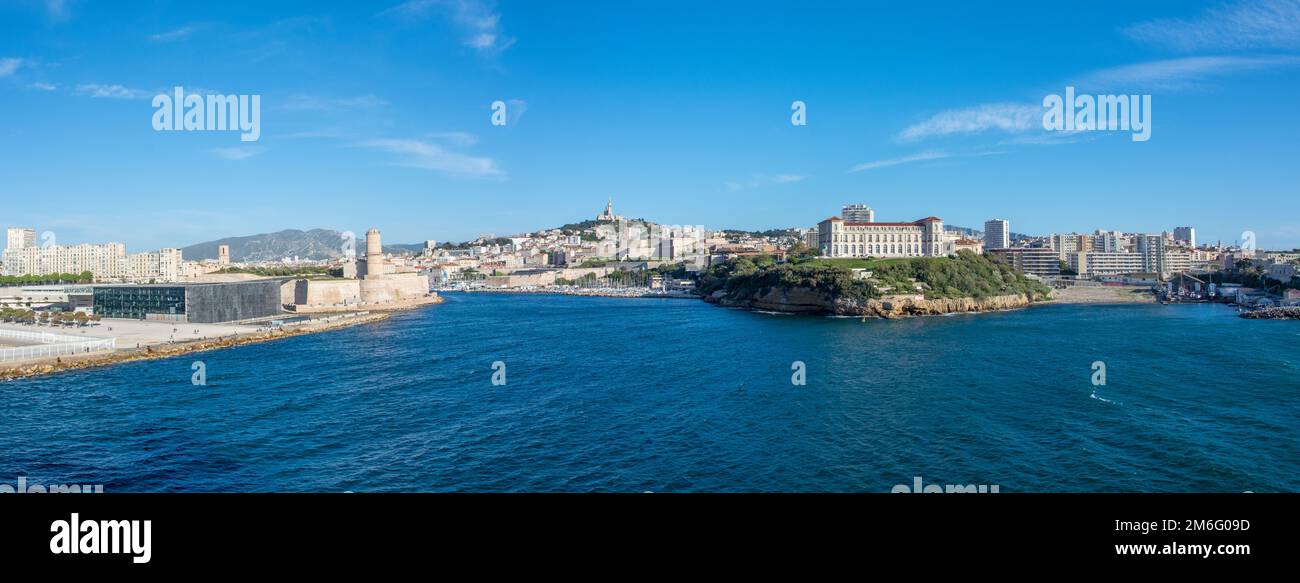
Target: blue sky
x: 378, y: 113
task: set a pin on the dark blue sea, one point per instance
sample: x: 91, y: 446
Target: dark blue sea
x: 633, y: 395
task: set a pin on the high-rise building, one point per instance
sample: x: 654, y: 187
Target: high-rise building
x: 159, y: 266
x: 810, y: 237
x: 1065, y: 244
x: 1186, y: 235
x: 1152, y: 249
x: 997, y: 234
x: 858, y: 213
x: 20, y: 237
x: 1104, y: 241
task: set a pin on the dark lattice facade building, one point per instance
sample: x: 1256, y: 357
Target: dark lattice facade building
x: 204, y: 303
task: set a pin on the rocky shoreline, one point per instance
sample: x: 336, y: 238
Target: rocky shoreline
x: 43, y: 367
x: 1272, y: 314
x: 806, y: 301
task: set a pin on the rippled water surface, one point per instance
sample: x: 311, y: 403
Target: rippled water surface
x: 610, y: 394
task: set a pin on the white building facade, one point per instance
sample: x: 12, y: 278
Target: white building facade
x: 840, y: 238
x: 997, y: 234
x: 106, y: 261
x: 1105, y: 263
x: 20, y: 237
x: 858, y: 213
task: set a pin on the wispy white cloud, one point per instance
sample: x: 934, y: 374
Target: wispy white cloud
x: 9, y: 65
x: 327, y: 134
x: 457, y: 138
x: 1184, y: 73
x: 921, y: 157
x: 430, y: 156
x: 96, y: 90
x: 1245, y: 25
x: 43, y: 86
x: 318, y: 103
x: 238, y: 153
x: 1005, y: 117
x: 1026, y: 118
x: 179, y: 34
x: 759, y: 180
x: 478, y: 21
x: 57, y: 9
x: 204, y: 91
x: 1053, y: 138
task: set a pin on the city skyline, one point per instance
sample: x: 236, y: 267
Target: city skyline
x: 1174, y: 232
x: 693, y: 133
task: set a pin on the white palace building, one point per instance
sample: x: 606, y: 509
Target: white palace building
x: 864, y: 237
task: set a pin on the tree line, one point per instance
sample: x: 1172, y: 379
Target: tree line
x: 47, y: 279
x: 20, y: 316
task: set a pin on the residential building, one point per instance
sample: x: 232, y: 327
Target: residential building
x: 1152, y: 249
x: 1071, y: 243
x: 107, y: 262
x: 809, y: 237
x: 163, y: 265
x: 1178, y: 261
x: 997, y: 234
x: 20, y: 237
x: 1186, y: 235
x: 858, y: 213
x: 1039, y: 261
x: 1093, y: 264
x: 1107, y: 242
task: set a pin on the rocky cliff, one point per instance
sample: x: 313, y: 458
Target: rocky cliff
x: 806, y: 301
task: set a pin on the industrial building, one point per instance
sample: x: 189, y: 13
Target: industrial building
x: 201, y: 303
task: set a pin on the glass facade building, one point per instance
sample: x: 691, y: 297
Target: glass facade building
x: 206, y: 303
x: 141, y: 302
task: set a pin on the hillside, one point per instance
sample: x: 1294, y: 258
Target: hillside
x: 314, y: 245
x: 978, y: 234
x: 966, y: 282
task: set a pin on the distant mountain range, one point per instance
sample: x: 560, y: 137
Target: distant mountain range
x: 978, y: 234
x: 314, y: 245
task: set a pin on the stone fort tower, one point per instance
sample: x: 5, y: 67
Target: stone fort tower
x: 374, y: 255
